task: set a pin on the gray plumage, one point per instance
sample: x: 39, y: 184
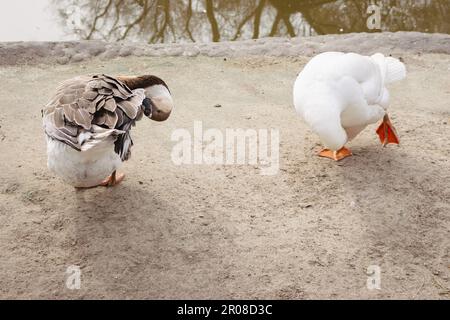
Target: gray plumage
x: 89, y: 110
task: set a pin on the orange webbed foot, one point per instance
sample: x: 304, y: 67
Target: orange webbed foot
x: 387, y: 132
x: 113, y: 180
x: 335, y: 155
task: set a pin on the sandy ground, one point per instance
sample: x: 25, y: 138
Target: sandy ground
x: 199, y: 231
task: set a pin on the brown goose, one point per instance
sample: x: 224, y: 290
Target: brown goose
x: 88, y: 121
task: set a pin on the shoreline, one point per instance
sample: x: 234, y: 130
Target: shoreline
x: 19, y: 53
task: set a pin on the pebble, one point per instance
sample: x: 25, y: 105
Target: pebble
x: 76, y: 51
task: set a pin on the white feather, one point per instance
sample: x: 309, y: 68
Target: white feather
x: 339, y: 94
x: 82, y: 169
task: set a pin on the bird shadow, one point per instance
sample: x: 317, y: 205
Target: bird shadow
x: 118, y: 232
x: 393, y: 207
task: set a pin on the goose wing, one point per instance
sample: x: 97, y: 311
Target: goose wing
x: 87, y: 110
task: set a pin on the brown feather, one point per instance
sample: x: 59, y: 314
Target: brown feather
x: 67, y: 99
x: 129, y: 109
x: 100, y: 105
x: 99, y: 98
x: 58, y: 118
x: 111, y: 119
x: 83, y: 102
x: 90, y: 95
x: 142, y: 82
x: 105, y: 91
x: 110, y: 105
x: 100, y: 118
x: 83, y: 118
x: 69, y: 112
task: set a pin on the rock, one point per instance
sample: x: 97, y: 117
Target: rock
x: 78, y: 57
x: 365, y: 43
x: 63, y: 60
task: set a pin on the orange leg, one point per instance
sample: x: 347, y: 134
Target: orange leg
x: 335, y: 155
x: 387, y: 133
x: 113, y: 180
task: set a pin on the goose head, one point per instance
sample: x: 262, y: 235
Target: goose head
x: 158, y: 102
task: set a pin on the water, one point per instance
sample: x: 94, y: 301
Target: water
x: 168, y: 21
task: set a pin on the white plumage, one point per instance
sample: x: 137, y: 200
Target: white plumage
x: 339, y: 94
x: 82, y: 169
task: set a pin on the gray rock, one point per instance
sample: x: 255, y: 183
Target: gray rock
x: 13, y: 53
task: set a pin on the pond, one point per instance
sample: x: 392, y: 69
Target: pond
x: 174, y: 21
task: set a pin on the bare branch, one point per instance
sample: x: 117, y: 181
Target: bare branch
x: 97, y: 17
x: 212, y: 21
x: 257, y: 21
x: 188, y: 20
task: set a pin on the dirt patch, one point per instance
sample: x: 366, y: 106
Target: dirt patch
x: 201, y: 231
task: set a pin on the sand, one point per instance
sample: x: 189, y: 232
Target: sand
x: 199, y: 231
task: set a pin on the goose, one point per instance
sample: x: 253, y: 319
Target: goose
x: 87, y: 125
x: 338, y: 94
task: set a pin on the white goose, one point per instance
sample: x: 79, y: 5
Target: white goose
x: 87, y: 125
x: 339, y: 94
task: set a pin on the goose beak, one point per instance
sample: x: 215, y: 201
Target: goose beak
x: 161, y: 101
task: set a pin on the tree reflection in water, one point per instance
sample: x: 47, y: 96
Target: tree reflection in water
x: 160, y: 21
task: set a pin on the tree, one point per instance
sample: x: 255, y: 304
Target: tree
x: 158, y: 21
